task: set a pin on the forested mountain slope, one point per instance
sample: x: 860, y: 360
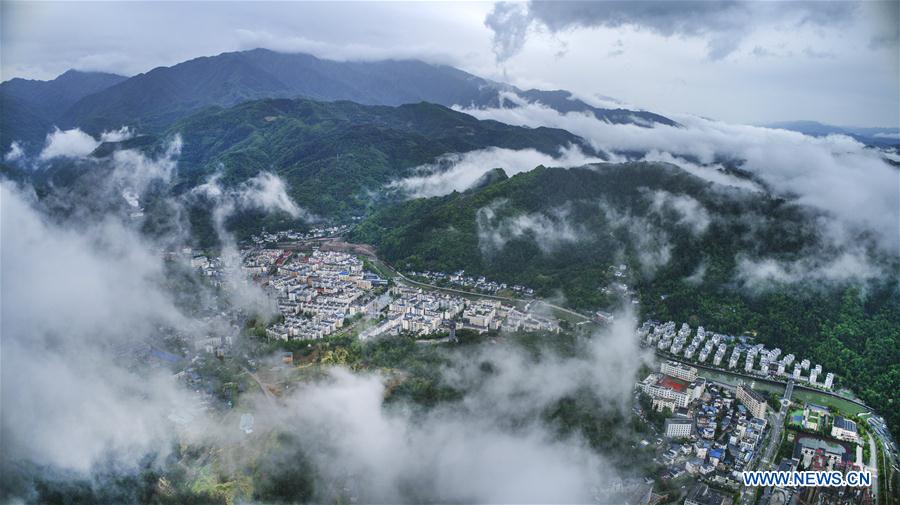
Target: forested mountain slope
x: 153, y: 100
x: 684, y: 240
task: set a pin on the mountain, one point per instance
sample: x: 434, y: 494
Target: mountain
x: 30, y: 107
x: 554, y: 228
x: 564, y: 232
x: 153, y: 100
x: 335, y: 156
x: 879, y: 137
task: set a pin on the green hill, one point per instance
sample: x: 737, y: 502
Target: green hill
x: 336, y: 156
x: 560, y: 232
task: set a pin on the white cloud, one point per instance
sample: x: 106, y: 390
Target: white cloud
x: 834, y: 174
x: 691, y: 213
x: 549, y: 230
x: 649, y: 244
x: 70, y: 295
x: 850, y: 266
x: 15, y: 152
x: 135, y: 170
x: 123, y: 133
x: 458, y: 172
x: 470, y: 451
x: 72, y: 143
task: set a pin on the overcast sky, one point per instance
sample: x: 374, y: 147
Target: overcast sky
x: 753, y: 62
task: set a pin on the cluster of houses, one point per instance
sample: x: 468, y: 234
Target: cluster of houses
x: 714, y: 431
x: 316, y: 292
x: 480, y: 284
x: 710, y: 349
x: 423, y: 312
x: 295, y: 236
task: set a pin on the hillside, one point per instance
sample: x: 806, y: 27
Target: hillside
x: 335, y: 156
x: 559, y: 231
x: 30, y: 107
x: 153, y: 100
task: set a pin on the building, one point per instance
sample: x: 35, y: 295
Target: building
x: 701, y: 494
x: 754, y: 402
x: 832, y: 453
x: 678, y: 427
x: 844, y: 429
x: 666, y: 392
x: 679, y: 371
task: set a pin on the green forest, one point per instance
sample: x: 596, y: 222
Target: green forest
x: 851, y: 329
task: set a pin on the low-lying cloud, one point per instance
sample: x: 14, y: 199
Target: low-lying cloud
x: 836, y: 175
x: 72, y: 143
x: 689, y: 211
x: 458, y: 172
x: 80, y: 301
x: 489, y: 447
x: 549, y: 230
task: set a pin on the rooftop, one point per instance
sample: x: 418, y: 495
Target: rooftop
x: 672, y: 383
x: 845, y: 424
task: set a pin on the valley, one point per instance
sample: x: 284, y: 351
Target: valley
x: 414, y: 253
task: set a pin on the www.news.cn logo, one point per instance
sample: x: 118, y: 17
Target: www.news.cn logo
x: 807, y: 479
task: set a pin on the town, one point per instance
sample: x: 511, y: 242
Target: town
x: 710, y: 432
x: 707, y: 430
x: 704, y: 344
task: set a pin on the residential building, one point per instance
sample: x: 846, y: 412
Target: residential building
x: 679, y: 371
x: 754, y: 402
x: 679, y: 427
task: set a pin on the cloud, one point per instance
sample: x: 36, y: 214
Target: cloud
x: 15, y: 152
x: 123, y: 133
x: 649, y: 244
x: 71, y: 297
x: 489, y: 447
x: 72, y: 143
x: 549, y: 230
x: 690, y: 212
x: 846, y: 267
x: 75, y: 143
x: 837, y: 175
x: 712, y: 172
x: 83, y: 299
x: 265, y: 191
x: 458, y: 172
x: 509, y: 23
x: 722, y: 25
x: 135, y: 171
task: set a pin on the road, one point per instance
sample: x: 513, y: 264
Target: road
x: 262, y: 386
x: 873, y: 464
x: 771, y: 444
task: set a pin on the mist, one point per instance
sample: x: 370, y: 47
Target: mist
x: 854, y: 188
x: 550, y: 230
x: 82, y: 298
x: 458, y: 172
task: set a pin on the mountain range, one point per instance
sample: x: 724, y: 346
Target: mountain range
x: 150, y: 102
x: 868, y: 136
x: 31, y: 108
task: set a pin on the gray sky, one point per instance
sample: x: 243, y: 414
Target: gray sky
x: 752, y: 62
